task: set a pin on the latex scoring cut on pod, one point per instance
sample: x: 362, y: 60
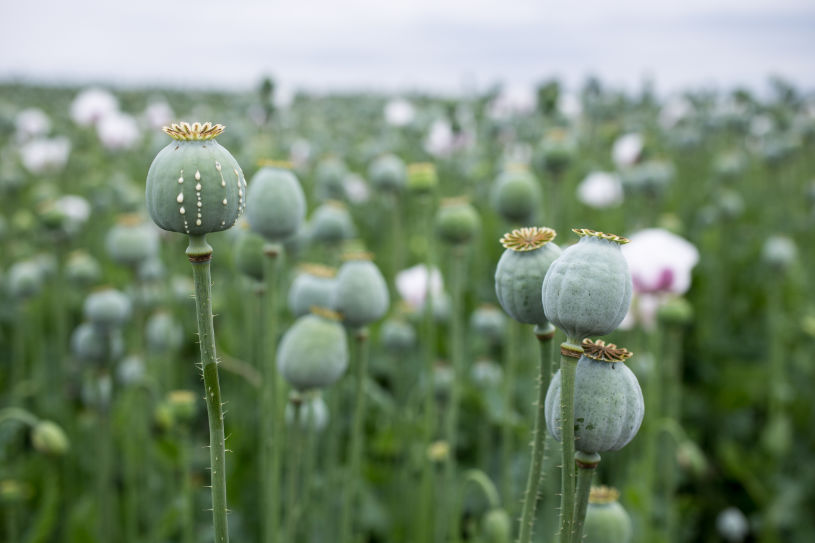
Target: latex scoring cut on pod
x: 194, y: 185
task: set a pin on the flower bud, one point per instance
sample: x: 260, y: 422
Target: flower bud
x: 49, y: 438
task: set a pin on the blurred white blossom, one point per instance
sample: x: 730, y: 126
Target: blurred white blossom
x: 440, y: 139
x: 31, y: 123
x: 158, y: 114
x: 675, y: 110
x: 91, y: 105
x: 600, y: 190
x: 627, y: 150
x: 512, y: 102
x: 414, y: 283
x: 118, y: 131
x: 300, y: 152
x: 75, y: 208
x: 399, y: 112
x: 356, y: 188
x: 45, y: 155
x: 732, y: 524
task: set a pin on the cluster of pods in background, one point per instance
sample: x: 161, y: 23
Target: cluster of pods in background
x: 340, y: 349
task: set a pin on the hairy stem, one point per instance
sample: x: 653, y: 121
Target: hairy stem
x: 586, y: 464
x: 568, y: 366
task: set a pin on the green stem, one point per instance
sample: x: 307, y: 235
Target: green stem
x: 672, y: 385
x: 650, y: 433
x: 310, y: 462
x: 508, y: 389
x: 486, y: 485
x: 451, y: 421
x: 356, y: 444
x: 586, y: 464
x: 200, y: 254
x: 188, y: 517
x: 568, y: 366
x: 271, y: 431
x: 294, y: 468
x: 527, y: 522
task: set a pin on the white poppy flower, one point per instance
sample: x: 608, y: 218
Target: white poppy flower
x: 91, y: 105
x: 118, y: 131
x: 414, y: 283
x: 399, y: 112
x: 627, y: 150
x: 600, y: 190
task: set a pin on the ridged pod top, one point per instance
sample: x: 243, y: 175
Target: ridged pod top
x: 183, y: 131
x: 528, y: 238
x: 584, y: 232
x: 605, y: 352
x: 603, y: 494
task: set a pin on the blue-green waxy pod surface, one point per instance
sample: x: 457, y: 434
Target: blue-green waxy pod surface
x: 249, y: 255
x: 195, y: 186
x: 331, y: 223
x: 361, y: 293
x: 606, y: 520
x: 276, y: 205
x: 587, y: 291
x: 107, y: 308
x: 388, y: 173
x: 130, y: 243
x: 516, y: 195
x: 520, y: 273
x: 313, y: 353
x: 608, y: 405
x: 457, y: 221
x: 313, y: 287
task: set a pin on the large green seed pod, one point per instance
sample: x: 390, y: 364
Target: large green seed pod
x: 313, y: 287
x: 422, y: 178
x: 516, y: 195
x: 608, y: 403
x: 606, y: 520
x: 194, y: 186
x: 519, y: 275
x: 163, y: 333
x: 588, y: 289
x: 388, y: 173
x: 249, y: 254
x: 131, y: 241
x: 107, y: 308
x: 276, y: 204
x: 329, y: 179
x: 314, y: 351
x: 361, y: 293
x: 331, y: 223
x: 457, y: 221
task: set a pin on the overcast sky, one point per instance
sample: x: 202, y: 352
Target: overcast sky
x: 428, y: 44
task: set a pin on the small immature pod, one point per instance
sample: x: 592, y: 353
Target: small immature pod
x: 314, y: 351
x: 49, y: 438
x: 488, y: 322
x: 606, y: 520
x: 397, y: 335
x: 457, y: 221
x: 163, y: 334
x: 276, y: 204
x: 588, y: 289
x: 82, y: 269
x: 497, y: 526
x: 194, y: 185
x: 249, y: 254
x: 24, y: 279
x: 89, y: 343
x: 608, y: 402
x: 313, y: 287
x: 520, y: 272
x: 313, y: 413
x: 329, y: 179
x: 422, y: 178
x: 388, y: 173
x: 107, y: 308
x: 331, y: 223
x: 131, y: 241
x: 516, y: 195
x: 361, y: 293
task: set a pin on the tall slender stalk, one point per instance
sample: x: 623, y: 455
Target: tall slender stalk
x: 570, y: 351
x: 295, y: 439
x: 508, y: 393
x: 355, y: 448
x: 271, y: 426
x: 451, y: 420
x: 586, y: 464
x: 199, y: 253
x: 527, y: 521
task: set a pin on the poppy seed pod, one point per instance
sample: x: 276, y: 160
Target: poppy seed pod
x: 331, y: 223
x: 24, y: 279
x: 314, y: 351
x: 82, y: 269
x: 388, y: 173
x: 606, y: 520
x: 397, y: 335
x: 107, y: 308
x: 131, y: 241
x: 313, y: 413
x: 249, y: 254
x: 276, y: 204
x: 488, y: 322
x: 608, y: 402
x: 90, y: 343
x: 329, y: 179
x: 194, y: 185
x: 519, y: 275
x: 516, y: 195
x: 588, y: 289
x: 457, y: 221
x: 422, y: 178
x: 497, y: 526
x: 360, y: 293
x: 162, y: 333
x: 313, y: 287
